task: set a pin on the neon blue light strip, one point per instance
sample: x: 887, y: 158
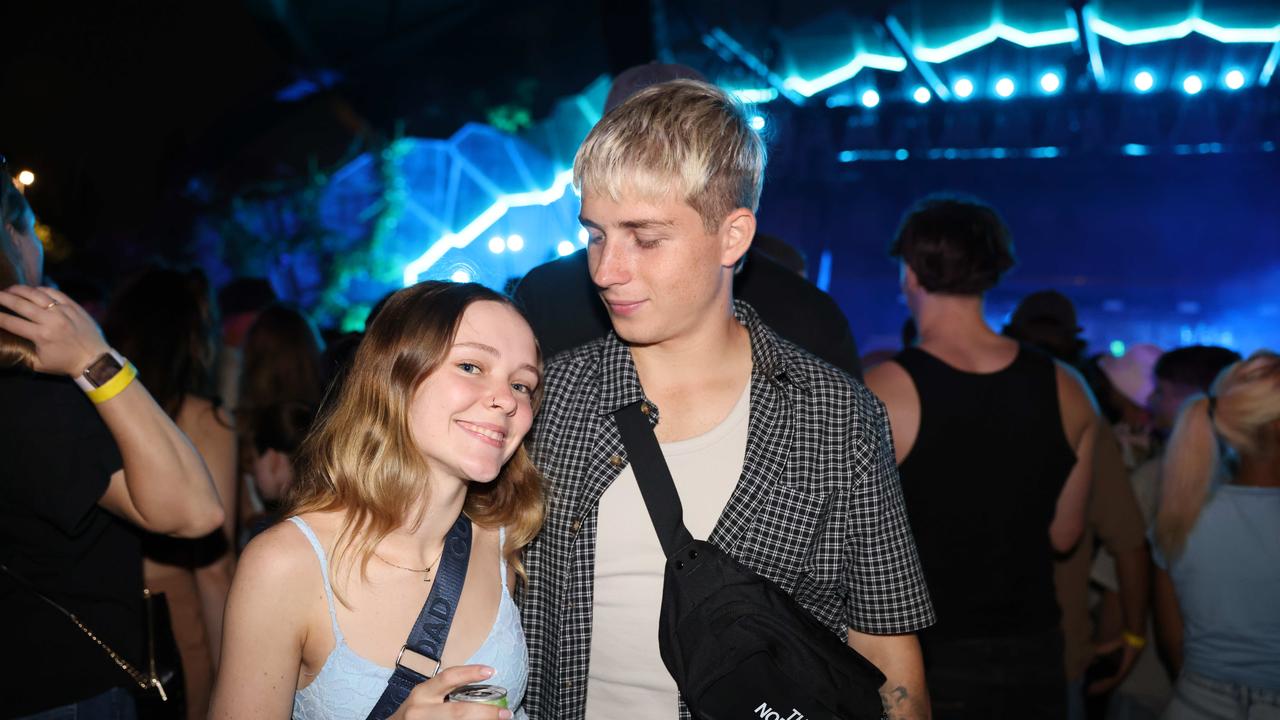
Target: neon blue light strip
x: 1118, y: 34
x: 1269, y: 67
x: 486, y: 219
x: 997, y: 31
x: 756, y: 96
x: 809, y: 88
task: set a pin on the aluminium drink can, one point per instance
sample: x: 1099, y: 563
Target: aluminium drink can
x: 484, y: 694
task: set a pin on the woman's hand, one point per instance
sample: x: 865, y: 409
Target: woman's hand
x: 67, y: 340
x: 427, y: 701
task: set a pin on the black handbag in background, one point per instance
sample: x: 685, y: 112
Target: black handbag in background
x: 164, y: 669
x: 157, y: 688
x: 738, y: 646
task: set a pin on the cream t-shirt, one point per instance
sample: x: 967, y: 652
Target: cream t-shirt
x: 626, y: 678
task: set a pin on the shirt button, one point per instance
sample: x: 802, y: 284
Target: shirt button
x: 616, y: 461
x: 575, y: 526
x: 568, y: 683
x: 646, y: 408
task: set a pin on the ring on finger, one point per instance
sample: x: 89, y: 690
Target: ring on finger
x: 50, y: 305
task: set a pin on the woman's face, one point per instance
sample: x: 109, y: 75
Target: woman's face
x: 469, y: 416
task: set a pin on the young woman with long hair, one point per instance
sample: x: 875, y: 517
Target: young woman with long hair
x: 1217, y: 542
x: 428, y: 425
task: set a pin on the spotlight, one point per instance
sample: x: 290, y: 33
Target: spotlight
x: 871, y: 98
x: 1192, y: 84
x: 963, y: 88
x: 1004, y: 87
x: 496, y: 244
x: 922, y: 95
x: 1144, y: 81
x: 1050, y: 82
x: 26, y: 177
x: 515, y: 243
x: 564, y: 248
x: 1117, y: 348
x: 757, y: 122
x: 461, y: 275
x: 1235, y: 79
x: 583, y: 236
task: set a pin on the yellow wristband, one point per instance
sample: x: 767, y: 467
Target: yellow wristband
x: 115, y: 385
x: 1137, y: 642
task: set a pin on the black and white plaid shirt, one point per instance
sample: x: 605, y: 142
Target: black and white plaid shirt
x: 818, y: 508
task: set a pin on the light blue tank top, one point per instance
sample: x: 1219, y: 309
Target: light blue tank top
x: 349, y: 685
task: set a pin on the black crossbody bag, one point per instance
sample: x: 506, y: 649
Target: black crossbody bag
x: 739, y: 646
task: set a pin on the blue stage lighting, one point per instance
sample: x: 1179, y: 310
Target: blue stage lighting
x: 583, y: 236
x: 1234, y: 79
x: 963, y: 88
x: 922, y: 95
x: 461, y: 275
x: 1005, y: 87
x: 564, y: 247
x: 1050, y: 82
x: 497, y: 244
x: 757, y: 122
x: 515, y: 243
x: 1144, y: 81
x: 1117, y: 348
x: 871, y: 98
x: 902, y: 154
x: 1192, y: 84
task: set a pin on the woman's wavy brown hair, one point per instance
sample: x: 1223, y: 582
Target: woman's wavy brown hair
x: 360, y: 459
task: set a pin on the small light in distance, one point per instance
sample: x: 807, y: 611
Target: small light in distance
x: 757, y: 122
x: 26, y: 177
x: 461, y: 275
x: 922, y: 95
x: 564, y: 247
x: 1005, y: 87
x: 1051, y: 82
x: 496, y: 244
x: 515, y: 243
x: 1192, y: 84
x: 1234, y: 79
x: 963, y: 88
x: 1144, y: 81
x: 871, y: 98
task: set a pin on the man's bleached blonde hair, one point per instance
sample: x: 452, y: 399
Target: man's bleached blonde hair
x: 684, y: 137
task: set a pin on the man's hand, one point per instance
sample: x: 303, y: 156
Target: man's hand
x: 904, y: 693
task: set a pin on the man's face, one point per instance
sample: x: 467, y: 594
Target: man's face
x: 1165, y: 401
x: 660, y: 273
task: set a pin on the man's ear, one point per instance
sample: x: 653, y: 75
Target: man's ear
x: 736, y: 233
x: 910, y: 283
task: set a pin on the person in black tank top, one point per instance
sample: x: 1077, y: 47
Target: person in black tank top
x: 989, y: 437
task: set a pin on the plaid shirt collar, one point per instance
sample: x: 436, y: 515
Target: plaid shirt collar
x: 618, y: 385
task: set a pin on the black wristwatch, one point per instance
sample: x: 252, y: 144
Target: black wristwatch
x: 100, y: 371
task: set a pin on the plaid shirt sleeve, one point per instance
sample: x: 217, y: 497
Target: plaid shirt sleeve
x: 887, y: 594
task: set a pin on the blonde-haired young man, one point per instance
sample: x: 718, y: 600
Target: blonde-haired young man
x: 780, y: 459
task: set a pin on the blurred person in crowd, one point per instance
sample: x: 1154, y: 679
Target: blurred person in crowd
x: 994, y: 443
x: 426, y: 429
x: 564, y: 308
x: 163, y: 319
x: 1047, y: 320
x: 83, y: 467
x: 239, y: 302
x: 1217, y: 543
x: 1127, y: 385
x: 1176, y: 376
x: 281, y: 382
